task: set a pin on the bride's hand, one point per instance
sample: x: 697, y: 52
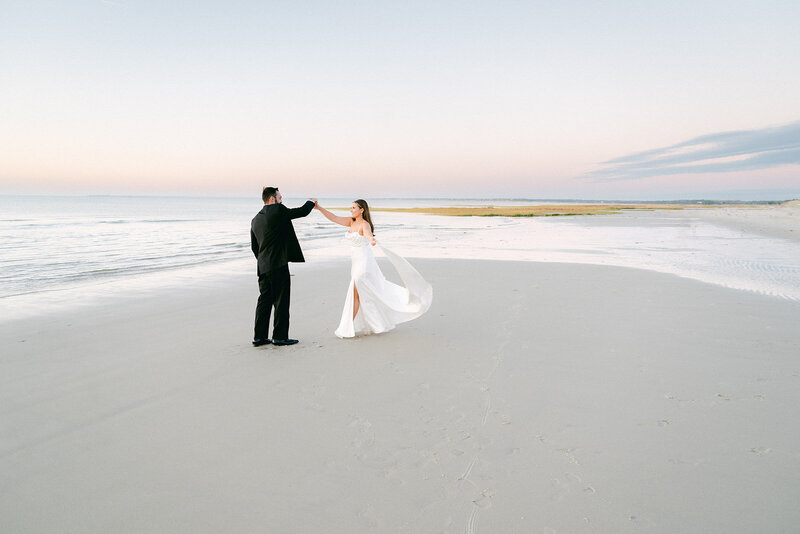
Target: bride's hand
x: 373, y: 242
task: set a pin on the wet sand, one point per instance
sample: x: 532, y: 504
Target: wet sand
x: 532, y: 397
x: 781, y: 221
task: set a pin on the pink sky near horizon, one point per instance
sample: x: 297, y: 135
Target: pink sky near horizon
x: 517, y: 100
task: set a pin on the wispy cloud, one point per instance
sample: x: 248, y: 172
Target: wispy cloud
x: 744, y: 150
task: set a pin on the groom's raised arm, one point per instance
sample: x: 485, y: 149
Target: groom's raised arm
x: 302, y: 211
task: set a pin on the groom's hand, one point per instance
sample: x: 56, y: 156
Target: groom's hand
x: 316, y: 202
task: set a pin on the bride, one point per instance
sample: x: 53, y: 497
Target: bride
x: 373, y: 304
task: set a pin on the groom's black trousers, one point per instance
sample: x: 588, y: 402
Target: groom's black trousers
x: 275, y: 288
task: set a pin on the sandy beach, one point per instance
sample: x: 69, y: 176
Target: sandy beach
x: 533, y: 397
x: 602, y: 201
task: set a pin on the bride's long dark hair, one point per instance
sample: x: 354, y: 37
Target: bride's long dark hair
x: 361, y: 203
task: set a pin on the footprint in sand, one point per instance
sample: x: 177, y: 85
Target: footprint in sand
x: 484, y: 500
x: 760, y: 451
x: 364, y: 434
x: 681, y: 402
x: 683, y: 461
x: 571, y: 457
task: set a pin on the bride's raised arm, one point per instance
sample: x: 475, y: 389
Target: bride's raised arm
x: 344, y: 221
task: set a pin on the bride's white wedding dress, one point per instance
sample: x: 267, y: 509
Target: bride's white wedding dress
x: 382, y: 304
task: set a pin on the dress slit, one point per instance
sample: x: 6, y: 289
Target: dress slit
x: 353, y: 309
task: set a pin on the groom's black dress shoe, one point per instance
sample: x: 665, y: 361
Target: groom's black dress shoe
x: 281, y: 342
x: 259, y: 342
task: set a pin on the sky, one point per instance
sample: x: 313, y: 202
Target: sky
x: 566, y: 99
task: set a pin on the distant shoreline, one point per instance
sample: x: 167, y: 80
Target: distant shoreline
x: 556, y: 210
x: 372, y: 199
x: 544, y: 210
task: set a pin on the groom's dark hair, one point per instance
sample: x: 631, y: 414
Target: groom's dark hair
x: 268, y: 193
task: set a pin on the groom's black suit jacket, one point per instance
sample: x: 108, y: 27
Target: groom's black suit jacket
x: 272, y: 236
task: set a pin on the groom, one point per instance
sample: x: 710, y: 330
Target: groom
x: 274, y: 244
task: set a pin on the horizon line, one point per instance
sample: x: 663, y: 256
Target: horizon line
x: 683, y: 200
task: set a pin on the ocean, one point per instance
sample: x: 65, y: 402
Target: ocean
x: 53, y: 249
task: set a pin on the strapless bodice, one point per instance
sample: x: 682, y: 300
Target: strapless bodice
x: 354, y: 239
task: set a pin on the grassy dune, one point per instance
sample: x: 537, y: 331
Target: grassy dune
x: 549, y: 210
